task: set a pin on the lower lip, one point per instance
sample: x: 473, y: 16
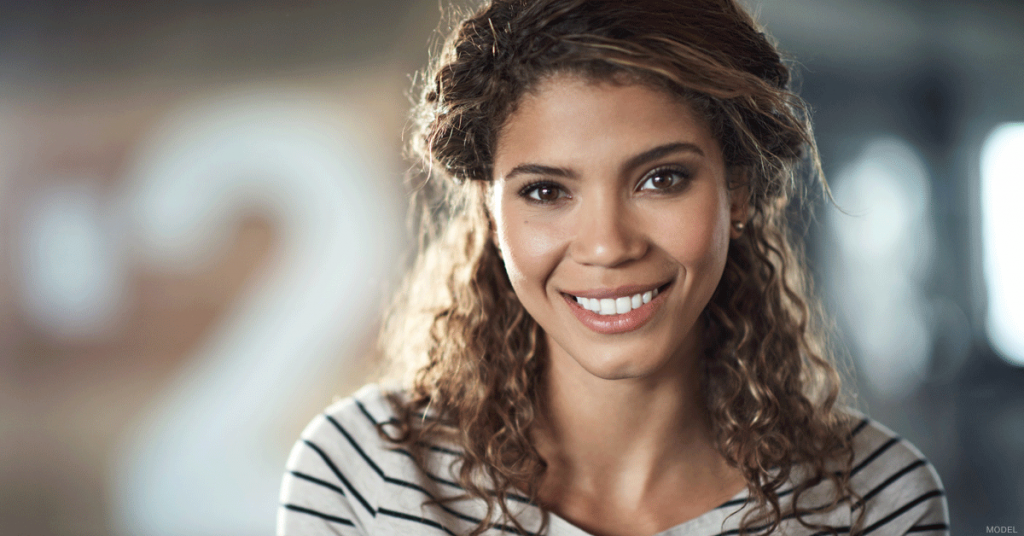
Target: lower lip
x: 612, y: 324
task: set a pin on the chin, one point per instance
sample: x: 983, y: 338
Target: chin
x: 618, y: 367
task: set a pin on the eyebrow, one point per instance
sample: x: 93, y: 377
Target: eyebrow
x: 645, y: 157
x: 537, y: 169
x: 660, y: 151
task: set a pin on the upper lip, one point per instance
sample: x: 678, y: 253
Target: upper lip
x: 617, y: 292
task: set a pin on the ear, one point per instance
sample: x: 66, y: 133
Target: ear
x: 739, y: 200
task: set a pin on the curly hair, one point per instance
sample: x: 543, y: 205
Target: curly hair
x: 471, y: 357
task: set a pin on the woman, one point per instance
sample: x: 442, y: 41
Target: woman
x: 607, y: 329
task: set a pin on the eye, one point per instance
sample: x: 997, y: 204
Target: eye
x: 543, y: 192
x: 665, y: 180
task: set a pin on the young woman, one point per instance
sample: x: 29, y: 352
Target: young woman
x: 607, y: 329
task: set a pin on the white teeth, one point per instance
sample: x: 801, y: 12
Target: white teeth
x: 616, y: 306
x: 622, y: 305
x: 607, y: 306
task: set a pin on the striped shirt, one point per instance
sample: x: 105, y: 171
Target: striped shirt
x: 342, y: 478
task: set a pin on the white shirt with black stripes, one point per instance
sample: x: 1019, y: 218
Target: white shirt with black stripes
x: 342, y: 478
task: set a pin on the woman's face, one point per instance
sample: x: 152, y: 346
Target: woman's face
x: 614, y: 196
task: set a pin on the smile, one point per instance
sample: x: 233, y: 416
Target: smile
x: 616, y: 311
x: 616, y: 306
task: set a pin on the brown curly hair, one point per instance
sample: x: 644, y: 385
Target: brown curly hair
x: 471, y: 355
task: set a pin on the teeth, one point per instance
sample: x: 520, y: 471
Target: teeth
x: 607, y: 306
x: 616, y: 306
x: 622, y: 305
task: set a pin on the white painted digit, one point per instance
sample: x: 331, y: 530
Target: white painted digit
x: 206, y: 459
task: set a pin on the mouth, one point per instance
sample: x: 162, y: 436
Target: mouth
x: 617, y: 310
x: 616, y: 304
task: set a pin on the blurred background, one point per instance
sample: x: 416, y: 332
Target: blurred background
x: 201, y: 211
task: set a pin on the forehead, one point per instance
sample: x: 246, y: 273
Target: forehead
x: 567, y: 117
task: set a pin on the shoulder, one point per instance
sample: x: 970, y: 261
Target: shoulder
x: 348, y: 427
x: 344, y: 477
x: 333, y: 477
x: 899, y: 489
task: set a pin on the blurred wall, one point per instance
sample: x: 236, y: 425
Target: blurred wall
x: 201, y: 210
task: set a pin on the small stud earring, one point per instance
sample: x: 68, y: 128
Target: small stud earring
x: 739, y: 226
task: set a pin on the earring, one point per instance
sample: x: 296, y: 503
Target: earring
x: 739, y: 226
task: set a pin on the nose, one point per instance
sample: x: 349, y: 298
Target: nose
x: 607, y: 234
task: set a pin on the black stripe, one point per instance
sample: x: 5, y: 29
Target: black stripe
x: 874, y: 526
x: 926, y: 528
x: 733, y: 502
x: 879, y: 488
x: 317, y: 481
x: 870, y: 458
x: 365, y: 412
x: 425, y: 521
x: 860, y: 426
x: 443, y: 450
x: 355, y: 445
x: 878, y: 452
x: 321, y: 515
x: 337, y: 473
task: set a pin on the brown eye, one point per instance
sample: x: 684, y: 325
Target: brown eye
x: 543, y: 192
x: 663, y: 180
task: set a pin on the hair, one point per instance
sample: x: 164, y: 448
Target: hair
x: 472, y: 358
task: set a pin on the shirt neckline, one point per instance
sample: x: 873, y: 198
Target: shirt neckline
x: 712, y: 519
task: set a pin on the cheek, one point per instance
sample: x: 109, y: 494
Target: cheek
x: 531, y: 250
x: 699, y: 240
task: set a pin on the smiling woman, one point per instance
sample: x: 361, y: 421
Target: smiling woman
x: 606, y: 330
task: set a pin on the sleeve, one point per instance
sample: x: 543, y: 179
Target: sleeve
x: 916, y: 509
x: 323, y: 492
x: 900, y: 491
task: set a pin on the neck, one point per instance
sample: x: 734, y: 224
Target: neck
x: 625, y: 434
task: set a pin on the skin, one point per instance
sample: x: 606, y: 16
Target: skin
x: 599, y: 186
